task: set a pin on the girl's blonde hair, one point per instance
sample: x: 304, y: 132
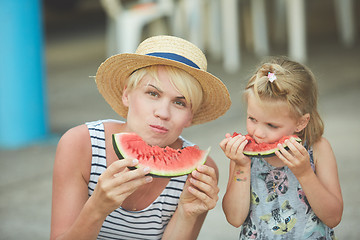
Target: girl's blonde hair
x: 186, y: 84
x: 294, y: 84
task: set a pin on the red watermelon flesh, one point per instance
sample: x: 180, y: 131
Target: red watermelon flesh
x: 165, y: 162
x: 253, y: 149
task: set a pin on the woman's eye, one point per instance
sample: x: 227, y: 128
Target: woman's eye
x: 152, y: 93
x: 180, y: 103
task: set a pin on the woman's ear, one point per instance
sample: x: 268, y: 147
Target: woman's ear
x: 125, y: 97
x: 303, y: 122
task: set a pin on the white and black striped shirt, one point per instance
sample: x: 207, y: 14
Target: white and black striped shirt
x: 149, y: 223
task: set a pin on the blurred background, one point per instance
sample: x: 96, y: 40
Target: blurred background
x: 49, y: 51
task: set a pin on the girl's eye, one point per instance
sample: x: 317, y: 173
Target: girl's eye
x: 251, y: 119
x: 272, y: 126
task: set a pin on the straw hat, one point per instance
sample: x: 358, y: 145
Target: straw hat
x: 163, y: 50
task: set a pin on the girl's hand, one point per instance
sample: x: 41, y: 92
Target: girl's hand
x: 117, y: 183
x: 200, y: 192
x: 233, y: 148
x: 297, y: 158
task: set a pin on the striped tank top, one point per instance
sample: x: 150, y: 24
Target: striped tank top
x: 149, y: 223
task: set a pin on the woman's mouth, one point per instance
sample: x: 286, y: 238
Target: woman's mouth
x: 159, y: 129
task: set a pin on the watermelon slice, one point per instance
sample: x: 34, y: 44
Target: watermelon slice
x: 253, y: 149
x: 165, y: 162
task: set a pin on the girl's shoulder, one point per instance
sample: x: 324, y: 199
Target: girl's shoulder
x: 322, y: 151
x: 322, y: 145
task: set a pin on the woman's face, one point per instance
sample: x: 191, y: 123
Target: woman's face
x: 269, y: 122
x: 157, y: 111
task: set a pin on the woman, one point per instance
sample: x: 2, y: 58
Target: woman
x: 160, y: 90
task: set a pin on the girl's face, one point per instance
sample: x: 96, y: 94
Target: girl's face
x: 157, y: 111
x: 270, y: 121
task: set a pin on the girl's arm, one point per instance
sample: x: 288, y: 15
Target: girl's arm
x: 74, y: 214
x: 200, y: 194
x: 236, y: 201
x: 322, y: 189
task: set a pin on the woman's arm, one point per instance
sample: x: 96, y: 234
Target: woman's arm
x: 322, y: 189
x: 69, y: 192
x: 200, y: 194
x: 74, y: 214
x: 236, y: 201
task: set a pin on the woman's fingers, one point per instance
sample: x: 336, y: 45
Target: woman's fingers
x: 119, y: 165
x: 209, y: 202
x: 119, y: 179
x: 119, y: 170
x: 132, y: 179
x: 204, y: 185
x: 123, y: 190
x: 205, y: 175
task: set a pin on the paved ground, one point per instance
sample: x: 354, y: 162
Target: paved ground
x: 26, y: 174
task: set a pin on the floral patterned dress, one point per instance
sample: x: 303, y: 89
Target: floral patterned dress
x: 279, y: 208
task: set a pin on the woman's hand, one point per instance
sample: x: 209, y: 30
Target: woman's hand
x: 199, y: 195
x: 233, y: 148
x: 297, y: 158
x: 200, y: 192
x: 117, y: 183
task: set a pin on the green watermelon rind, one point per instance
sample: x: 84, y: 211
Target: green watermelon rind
x: 122, y: 154
x: 268, y: 153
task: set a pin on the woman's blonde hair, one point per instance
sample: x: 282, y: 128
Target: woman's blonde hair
x: 294, y: 84
x: 187, y: 85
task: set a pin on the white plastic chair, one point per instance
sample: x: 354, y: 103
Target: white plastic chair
x: 344, y: 10
x: 215, y: 23
x: 231, y: 33
x: 188, y: 21
x: 296, y: 30
x: 289, y: 12
x: 125, y: 26
x: 296, y: 23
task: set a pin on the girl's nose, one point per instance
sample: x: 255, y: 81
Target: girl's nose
x: 259, y: 134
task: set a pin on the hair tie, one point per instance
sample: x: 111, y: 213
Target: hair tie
x: 271, y: 77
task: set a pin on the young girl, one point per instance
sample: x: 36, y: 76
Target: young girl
x: 295, y: 194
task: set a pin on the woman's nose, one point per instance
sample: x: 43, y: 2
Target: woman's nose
x: 162, y: 110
